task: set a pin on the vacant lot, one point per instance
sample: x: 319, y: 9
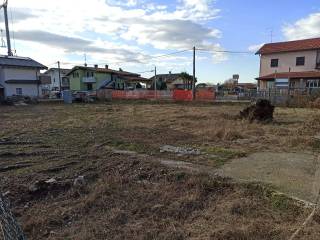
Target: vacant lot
x: 131, y: 190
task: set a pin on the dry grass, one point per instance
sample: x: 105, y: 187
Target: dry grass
x: 130, y: 197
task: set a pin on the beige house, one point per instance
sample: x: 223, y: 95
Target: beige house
x: 294, y: 65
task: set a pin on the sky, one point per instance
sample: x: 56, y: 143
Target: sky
x: 138, y: 35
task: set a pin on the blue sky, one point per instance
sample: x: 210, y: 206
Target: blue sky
x: 128, y: 34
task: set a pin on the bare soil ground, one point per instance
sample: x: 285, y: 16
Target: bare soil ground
x: 139, y: 196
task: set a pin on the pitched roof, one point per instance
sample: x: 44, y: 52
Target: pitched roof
x: 167, y: 78
x: 20, y: 62
x: 291, y: 46
x: 103, y: 70
x: 311, y: 74
x: 136, y: 79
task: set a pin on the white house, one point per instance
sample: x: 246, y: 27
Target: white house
x: 19, y: 76
x: 55, y: 85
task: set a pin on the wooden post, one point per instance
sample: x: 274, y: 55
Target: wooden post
x: 194, y: 75
x: 59, y: 71
x: 155, y: 82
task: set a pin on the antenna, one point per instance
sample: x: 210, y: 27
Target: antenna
x: 85, y: 60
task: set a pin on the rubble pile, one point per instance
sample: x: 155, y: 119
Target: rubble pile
x: 262, y: 110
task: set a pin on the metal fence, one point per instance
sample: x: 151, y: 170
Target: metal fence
x: 9, y: 228
x: 278, y: 96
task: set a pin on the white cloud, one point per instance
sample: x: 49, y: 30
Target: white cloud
x: 199, y: 9
x: 112, y: 30
x: 307, y: 27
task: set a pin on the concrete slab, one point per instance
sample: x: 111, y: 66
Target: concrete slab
x: 296, y: 174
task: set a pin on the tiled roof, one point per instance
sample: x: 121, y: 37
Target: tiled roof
x: 136, y: 79
x: 167, y: 78
x: 20, y: 62
x: 312, y: 74
x: 103, y: 70
x: 291, y: 46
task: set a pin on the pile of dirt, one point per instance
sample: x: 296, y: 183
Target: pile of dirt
x: 262, y: 110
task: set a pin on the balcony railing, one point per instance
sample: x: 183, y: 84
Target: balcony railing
x: 89, y: 80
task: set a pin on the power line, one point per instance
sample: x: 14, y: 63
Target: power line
x: 150, y: 71
x: 223, y: 51
x: 142, y: 61
x: 152, y: 57
x: 139, y: 61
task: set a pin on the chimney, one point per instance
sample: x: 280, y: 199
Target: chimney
x: 86, y: 65
x: 170, y: 72
x: 107, y: 66
x: 120, y: 70
x: 96, y: 66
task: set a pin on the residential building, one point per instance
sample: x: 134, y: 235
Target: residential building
x: 57, y: 81
x: 293, y: 64
x: 172, y: 81
x: 19, y: 76
x: 83, y: 78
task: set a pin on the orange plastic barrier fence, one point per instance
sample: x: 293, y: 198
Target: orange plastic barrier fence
x: 141, y: 94
x: 205, y: 95
x: 176, y: 95
x: 182, y: 95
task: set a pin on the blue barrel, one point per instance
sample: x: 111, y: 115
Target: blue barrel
x: 67, y: 96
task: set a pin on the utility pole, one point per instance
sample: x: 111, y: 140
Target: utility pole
x: 59, y: 71
x: 155, y: 81
x: 5, y: 8
x: 194, y: 75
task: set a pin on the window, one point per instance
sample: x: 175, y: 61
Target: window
x: 318, y: 60
x: 300, y: 61
x: 292, y: 84
x: 19, y: 91
x: 274, y: 63
x: 54, y: 80
x: 89, y: 87
x: 313, y: 83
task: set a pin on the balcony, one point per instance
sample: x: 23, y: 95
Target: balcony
x: 89, y: 80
